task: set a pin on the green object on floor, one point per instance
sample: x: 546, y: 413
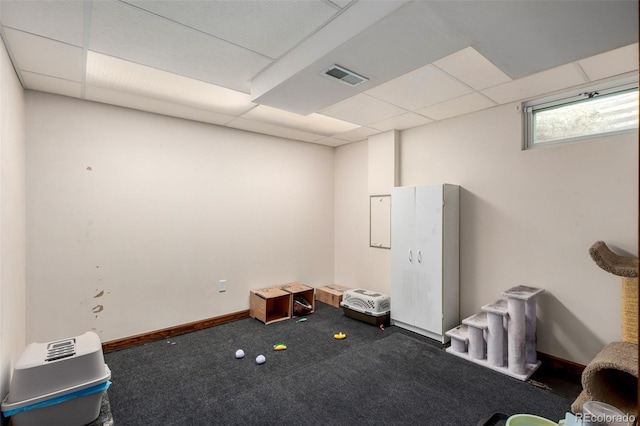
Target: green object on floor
x: 529, y: 420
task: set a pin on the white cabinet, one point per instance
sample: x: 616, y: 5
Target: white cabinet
x: 424, y: 259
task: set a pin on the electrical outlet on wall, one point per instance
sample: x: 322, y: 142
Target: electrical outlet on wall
x: 222, y: 286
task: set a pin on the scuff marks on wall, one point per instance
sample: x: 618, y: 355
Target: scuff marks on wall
x: 98, y: 294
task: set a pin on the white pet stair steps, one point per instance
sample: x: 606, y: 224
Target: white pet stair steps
x: 497, y: 332
x: 477, y: 325
x: 459, y: 338
x: 521, y: 304
x: 503, y: 335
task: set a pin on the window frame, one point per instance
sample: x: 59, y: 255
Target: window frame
x: 578, y: 95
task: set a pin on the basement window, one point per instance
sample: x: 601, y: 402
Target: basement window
x: 593, y: 112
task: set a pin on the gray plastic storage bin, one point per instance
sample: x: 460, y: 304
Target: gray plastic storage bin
x: 58, y: 383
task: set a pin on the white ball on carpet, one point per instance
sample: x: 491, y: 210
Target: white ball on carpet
x: 239, y: 353
x: 260, y: 359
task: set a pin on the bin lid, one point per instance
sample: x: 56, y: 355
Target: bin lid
x: 45, y: 368
x: 8, y: 405
x: 14, y: 409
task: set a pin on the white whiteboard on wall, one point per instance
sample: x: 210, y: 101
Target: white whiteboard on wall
x: 380, y: 221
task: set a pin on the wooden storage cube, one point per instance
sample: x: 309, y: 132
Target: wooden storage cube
x: 270, y: 304
x: 306, y: 292
x: 331, y: 294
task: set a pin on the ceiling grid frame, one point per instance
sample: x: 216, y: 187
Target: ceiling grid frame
x: 613, y: 52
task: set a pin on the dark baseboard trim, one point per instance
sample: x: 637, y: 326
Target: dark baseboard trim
x: 561, y: 366
x: 127, y: 342
x: 558, y: 365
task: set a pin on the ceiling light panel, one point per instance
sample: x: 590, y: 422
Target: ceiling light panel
x: 142, y: 103
x: 121, y: 30
x: 269, y: 27
x: 272, y: 129
x: 314, y: 123
x: 117, y: 74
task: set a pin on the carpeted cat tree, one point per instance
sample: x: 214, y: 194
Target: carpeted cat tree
x: 612, y: 376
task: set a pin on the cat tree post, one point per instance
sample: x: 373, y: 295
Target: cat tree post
x: 612, y: 376
x: 477, y: 325
x: 521, y: 305
x: 496, y: 313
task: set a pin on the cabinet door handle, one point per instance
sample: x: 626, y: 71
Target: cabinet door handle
x: 419, y: 256
x: 410, y: 256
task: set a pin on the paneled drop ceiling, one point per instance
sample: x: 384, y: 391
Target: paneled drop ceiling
x: 258, y: 65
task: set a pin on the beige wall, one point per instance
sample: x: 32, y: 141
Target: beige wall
x: 356, y: 264
x: 351, y: 215
x: 12, y: 219
x: 527, y: 217
x: 133, y: 218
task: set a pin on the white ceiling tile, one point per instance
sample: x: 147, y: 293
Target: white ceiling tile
x: 382, y: 40
x: 272, y: 129
x: 128, y: 100
x: 537, y: 84
x: 459, y: 106
x: 425, y: 86
x: 331, y: 142
x: 59, y: 20
x: 268, y: 27
x: 525, y: 37
x: 314, y: 123
x: 470, y: 67
x: 359, y: 134
x: 342, y: 3
x: 293, y: 83
x: 126, y: 32
x: 45, y: 56
x: 362, y: 109
x: 614, y: 62
x: 44, y: 83
x: 401, y: 122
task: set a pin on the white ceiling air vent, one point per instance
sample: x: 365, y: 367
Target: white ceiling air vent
x: 344, y: 75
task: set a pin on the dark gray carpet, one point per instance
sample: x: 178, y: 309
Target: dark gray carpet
x: 372, y: 377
